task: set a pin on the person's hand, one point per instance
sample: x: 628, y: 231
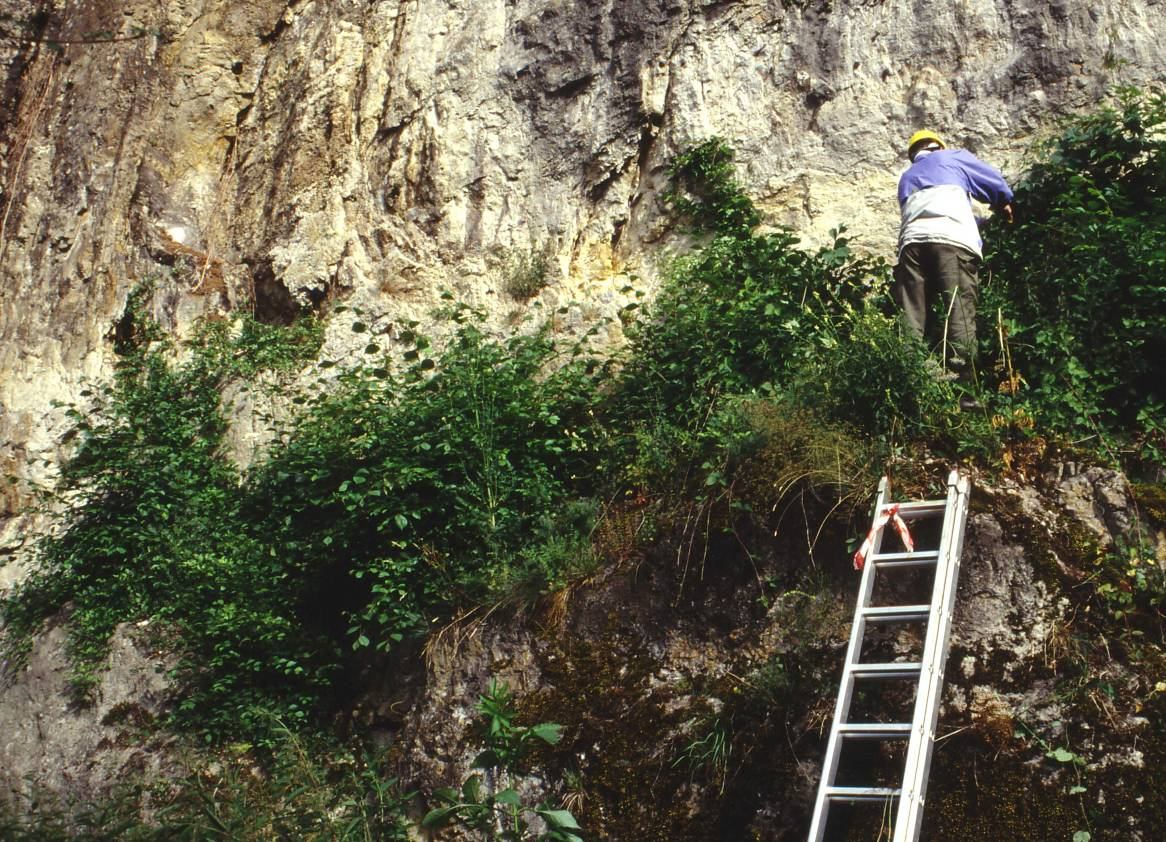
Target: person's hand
x: 1007, y: 211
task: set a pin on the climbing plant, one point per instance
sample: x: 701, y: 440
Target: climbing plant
x: 152, y: 531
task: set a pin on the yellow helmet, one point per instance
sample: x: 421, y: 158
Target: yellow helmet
x: 921, y: 136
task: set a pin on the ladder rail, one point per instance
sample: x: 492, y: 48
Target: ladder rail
x: 926, y: 716
x: 846, y: 689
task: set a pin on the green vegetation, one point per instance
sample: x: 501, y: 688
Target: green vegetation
x: 1079, y: 277
x: 751, y: 313
x: 311, y: 788
x: 446, y: 485
x: 710, y: 752
x: 427, y: 481
x: 479, y: 804
x: 525, y: 274
x: 392, y: 500
x: 154, y: 529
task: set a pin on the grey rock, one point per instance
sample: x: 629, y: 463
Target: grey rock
x: 1004, y: 612
x: 1098, y: 498
x: 52, y: 746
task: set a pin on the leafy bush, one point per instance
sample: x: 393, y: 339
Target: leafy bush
x: 1131, y: 583
x: 392, y: 500
x: 410, y: 494
x: 860, y: 368
x: 153, y: 528
x: 1079, y: 277
x: 706, y: 193
x: 750, y: 313
x: 525, y: 273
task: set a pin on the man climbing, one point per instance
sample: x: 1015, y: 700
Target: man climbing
x: 940, y: 246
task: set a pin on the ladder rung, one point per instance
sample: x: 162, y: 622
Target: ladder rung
x: 895, y: 560
x: 895, y: 669
x: 861, y: 793
x: 922, y: 508
x: 896, y: 613
x: 875, y: 730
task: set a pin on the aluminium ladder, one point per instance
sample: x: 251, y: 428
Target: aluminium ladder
x: 928, y: 673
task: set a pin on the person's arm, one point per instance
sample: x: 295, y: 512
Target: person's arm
x: 986, y: 184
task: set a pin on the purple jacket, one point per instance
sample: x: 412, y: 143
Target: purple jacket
x: 933, y: 197
x: 959, y: 167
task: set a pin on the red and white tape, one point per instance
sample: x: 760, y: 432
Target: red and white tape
x: 890, y: 514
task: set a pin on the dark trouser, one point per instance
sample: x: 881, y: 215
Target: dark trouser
x: 935, y: 286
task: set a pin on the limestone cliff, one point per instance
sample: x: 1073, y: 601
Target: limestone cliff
x: 279, y: 156
x: 274, y: 155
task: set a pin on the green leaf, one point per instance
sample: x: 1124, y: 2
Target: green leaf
x: 472, y: 789
x: 440, y: 816
x: 548, y: 732
x: 1062, y: 755
x: 1082, y: 836
x: 487, y: 759
x: 560, y: 819
x: 508, y: 796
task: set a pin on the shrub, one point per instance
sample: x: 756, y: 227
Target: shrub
x: 392, y: 501
x: 1079, y: 276
x: 153, y: 531
x: 750, y: 313
x: 705, y: 192
x: 413, y: 494
x: 858, y: 367
x: 526, y: 273
x: 153, y: 526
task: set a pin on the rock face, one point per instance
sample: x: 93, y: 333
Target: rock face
x: 50, y: 745
x: 637, y: 670
x: 279, y: 153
